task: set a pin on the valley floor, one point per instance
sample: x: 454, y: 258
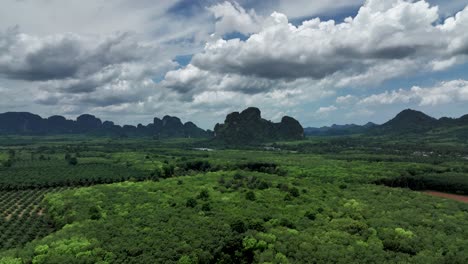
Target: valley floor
x: 101, y: 200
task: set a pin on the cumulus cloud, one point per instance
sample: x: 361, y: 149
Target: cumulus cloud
x: 72, y: 69
x: 449, y: 95
x: 231, y: 17
x: 304, y: 8
x: 382, y: 30
x: 192, y: 80
x: 46, y: 17
x: 386, y: 39
x: 443, y: 93
x: 68, y: 55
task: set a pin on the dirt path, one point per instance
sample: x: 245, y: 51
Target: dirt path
x: 460, y: 198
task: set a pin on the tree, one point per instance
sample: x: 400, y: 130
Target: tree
x: 8, y: 163
x: 294, y: 192
x: 310, y: 215
x: 206, y: 207
x: 288, y: 197
x: 12, y: 153
x: 204, y: 195
x: 95, y: 213
x: 250, y: 195
x: 73, y: 161
x: 239, y: 226
x: 167, y: 171
x: 191, y: 202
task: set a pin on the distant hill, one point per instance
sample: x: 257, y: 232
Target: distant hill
x: 338, y: 130
x: 415, y: 122
x: 23, y: 123
x: 406, y: 122
x: 249, y: 127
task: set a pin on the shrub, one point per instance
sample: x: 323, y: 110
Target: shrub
x: 257, y: 225
x: 294, y: 192
x: 287, y: 223
x: 8, y: 163
x: 238, y: 226
x: 238, y: 176
x: 204, y: 195
x: 73, y: 161
x: 206, y: 207
x: 200, y: 165
x: 310, y: 215
x: 250, y: 195
x: 167, y: 170
x: 288, y: 197
x: 94, y: 213
x: 191, y: 203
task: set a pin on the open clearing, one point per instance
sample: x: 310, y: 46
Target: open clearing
x: 460, y: 198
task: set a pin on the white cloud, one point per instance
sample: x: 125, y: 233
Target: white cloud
x: 400, y: 96
x: 62, y: 56
x: 231, y: 17
x: 359, y: 113
x: 327, y: 110
x: 46, y: 17
x: 71, y: 69
x: 385, y: 40
x: 346, y: 100
x: 305, y: 8
x: 443, y: 93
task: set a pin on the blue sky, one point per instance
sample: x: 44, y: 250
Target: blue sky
x: 323, y: 62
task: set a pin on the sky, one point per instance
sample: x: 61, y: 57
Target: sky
x: 322, y: 62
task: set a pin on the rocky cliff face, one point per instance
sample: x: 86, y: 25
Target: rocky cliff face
x: 249, y: 127
x: 88, y: 122
x: 290, y: 128
x: 21, y: 122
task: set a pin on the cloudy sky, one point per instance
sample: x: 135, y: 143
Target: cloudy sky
x: 323, y: 62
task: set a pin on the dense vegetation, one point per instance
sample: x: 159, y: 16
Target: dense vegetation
x: 445, y: 182
x: 313, y: 201
x: 53, y: 174
x: 212, y: 223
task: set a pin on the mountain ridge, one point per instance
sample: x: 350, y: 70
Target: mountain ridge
x: 25, y: 123
x: 338, y: 130
x: 238, y: 127
x: 405, y: 122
